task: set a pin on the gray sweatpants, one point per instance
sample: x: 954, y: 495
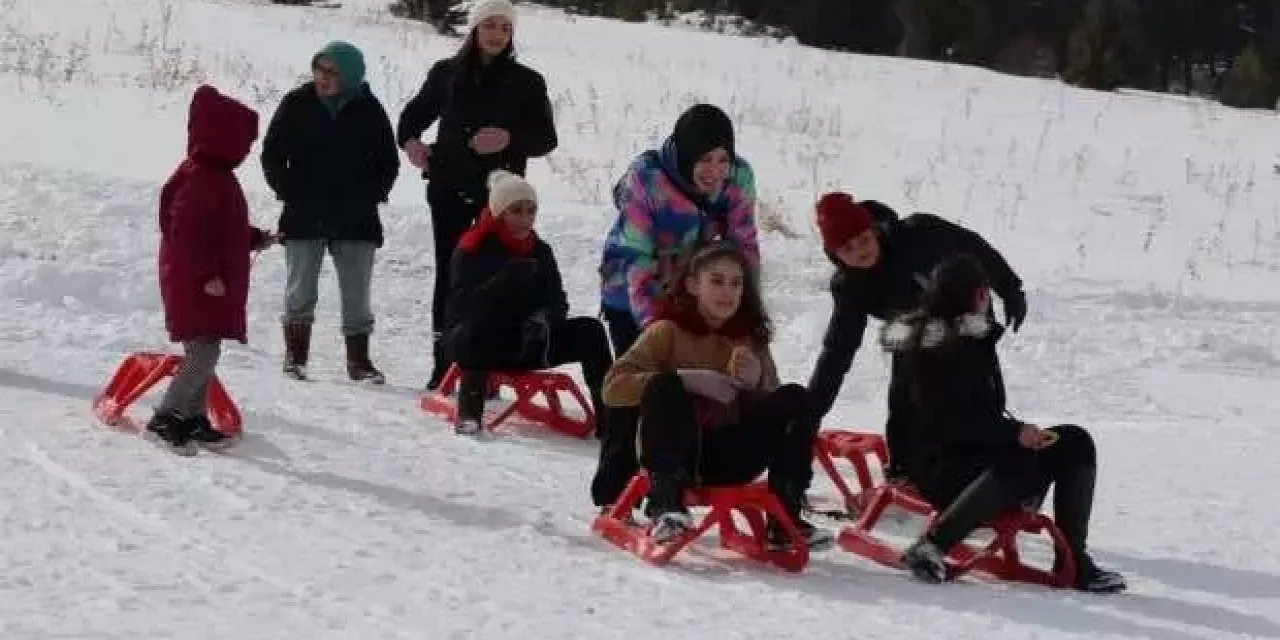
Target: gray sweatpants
x: 187, y: 391
x: 354, y: 263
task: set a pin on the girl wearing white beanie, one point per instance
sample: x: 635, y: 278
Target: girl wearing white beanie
x: 494, y: 113
x: 507, y: 309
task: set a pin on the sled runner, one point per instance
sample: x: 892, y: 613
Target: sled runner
x: 999, y: 558
x: 528, y: 387
x: 141, y: 371
x: 753, y: 502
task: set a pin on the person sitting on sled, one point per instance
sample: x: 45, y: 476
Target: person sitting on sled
x: 881, y: 264
x: 507, y: 308
x: 968, y: 457
x: 702, y: 381
x: 205, y: 241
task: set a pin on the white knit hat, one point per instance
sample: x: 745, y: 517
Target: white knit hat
x: 506, y: 189
x: 485, y: 9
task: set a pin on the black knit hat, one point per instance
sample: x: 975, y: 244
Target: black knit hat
x: 700, y: 129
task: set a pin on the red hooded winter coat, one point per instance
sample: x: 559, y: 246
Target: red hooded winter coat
x: 204, y: 223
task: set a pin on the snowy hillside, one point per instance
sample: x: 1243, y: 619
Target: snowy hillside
x: 1146, y: 227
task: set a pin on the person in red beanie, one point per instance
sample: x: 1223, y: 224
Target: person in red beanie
x: 882, y: 265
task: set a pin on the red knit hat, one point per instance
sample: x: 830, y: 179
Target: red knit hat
x: 840, y: 218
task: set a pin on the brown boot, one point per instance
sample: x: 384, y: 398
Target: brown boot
x: 297, y: 344
x: 359, y: 367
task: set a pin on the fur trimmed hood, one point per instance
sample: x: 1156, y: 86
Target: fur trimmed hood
x: 915, y: 331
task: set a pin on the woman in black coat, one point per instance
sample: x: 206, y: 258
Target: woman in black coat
x: 330, y: 156
x: 507, y: 308
x: 967, y: 455
x: 494, y: 114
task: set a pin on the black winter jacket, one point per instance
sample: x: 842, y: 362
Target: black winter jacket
x: 331, y: 171
x: 947, y: 396
x: 490, y: 289
x: 505, y: 94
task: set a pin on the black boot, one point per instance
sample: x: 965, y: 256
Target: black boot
x: 170, y: 430
x: 206, y: 437
x: 1072, y: 509
x: 440, y: 364
x: 297, y: 345
x: 472, y: 388
x: 792, y: 499
x: 359, y: 366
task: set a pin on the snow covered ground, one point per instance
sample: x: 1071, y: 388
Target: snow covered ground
x: 1147, y: 228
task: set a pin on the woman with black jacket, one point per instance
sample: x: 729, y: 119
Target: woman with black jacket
x: 968, y: 457
x: 330, y: 156
x: 494, y: 114
x: 507, y: 307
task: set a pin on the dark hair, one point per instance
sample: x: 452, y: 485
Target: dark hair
x: 953, y: 286
x: 751, y: 315
x: 952, y: 289
x: 469, y: 53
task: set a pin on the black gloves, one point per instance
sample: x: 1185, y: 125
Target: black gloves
x: 1015, y: 309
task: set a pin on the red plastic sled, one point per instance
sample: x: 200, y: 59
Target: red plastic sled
x: 141, y: 371
x: 527, y: 385
x: 999, y: 558
x: 853, y: 447
x: 753, y: 502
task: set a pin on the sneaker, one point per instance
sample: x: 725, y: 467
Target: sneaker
x: 815, y: 538
x: 295, y: 371
x: 467, y: 428
x: 670, y: 525
x: 208, y: 438
x: 169, y: 430
x: 925, y: 562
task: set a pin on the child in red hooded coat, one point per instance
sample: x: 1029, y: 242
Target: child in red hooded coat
x: 205, y: 242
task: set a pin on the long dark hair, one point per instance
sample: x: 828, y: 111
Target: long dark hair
x: 751, y: 318
x: 468, y: 55
x: 951, y: 293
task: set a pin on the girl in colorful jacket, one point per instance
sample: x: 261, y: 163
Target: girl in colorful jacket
x: 692, y: 191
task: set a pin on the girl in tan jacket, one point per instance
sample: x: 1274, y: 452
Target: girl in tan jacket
x: 706, y: 390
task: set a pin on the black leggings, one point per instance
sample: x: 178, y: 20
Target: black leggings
x: 580, y: 340
x: 452, y: 213
x: 766, y: 436
x: 1069, y: 465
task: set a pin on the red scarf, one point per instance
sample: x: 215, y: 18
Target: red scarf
x: 486, y: 225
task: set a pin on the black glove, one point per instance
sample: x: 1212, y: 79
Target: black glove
x: 1015, y: 309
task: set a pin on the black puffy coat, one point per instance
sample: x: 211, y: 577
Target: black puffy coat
x: 948, y: 397
x: 331, y: 171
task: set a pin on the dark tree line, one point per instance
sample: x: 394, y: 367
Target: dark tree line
x: 1227, y: 48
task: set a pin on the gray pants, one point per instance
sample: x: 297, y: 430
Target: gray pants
x: 187, y: 391
x: 354, y: 263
